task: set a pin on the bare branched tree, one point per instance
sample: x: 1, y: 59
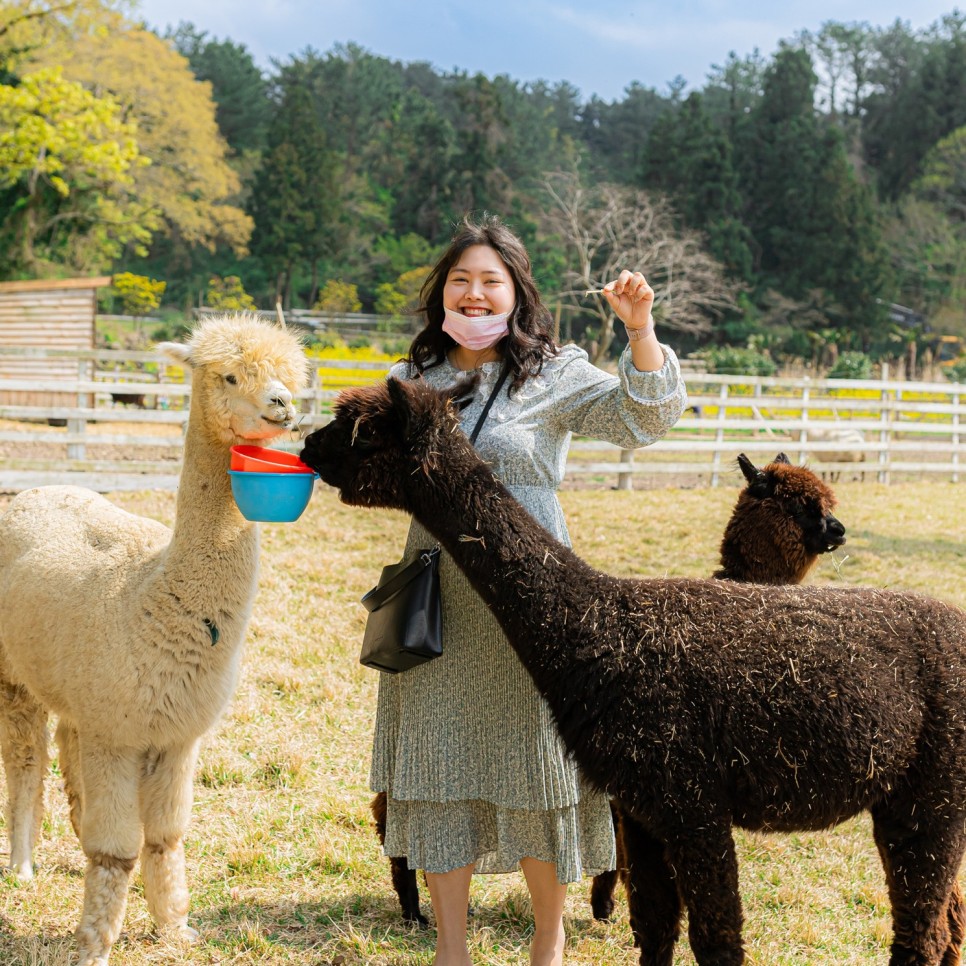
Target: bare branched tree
x: 607, y: 228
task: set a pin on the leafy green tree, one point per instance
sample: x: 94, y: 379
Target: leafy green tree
x: 239, y: 88
x: 229, y: 295
x: 392, y: 255
x: 402, y: 296
x: 67, y: 163
x: 338, y: 296
x: 690, y: 158
x: 927, y: 254
x: 139, y: 294
x: 296, y: 196
x: 423, y: 146
x: 943, y: 178
x: 919, y: 98
x: 815, y: 223
x: 733, y: 90
x: 189, y: 182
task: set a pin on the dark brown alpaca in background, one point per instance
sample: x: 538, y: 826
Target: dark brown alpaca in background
x: 699, y: 705
x: 781, y: 523
x: 779, y: 527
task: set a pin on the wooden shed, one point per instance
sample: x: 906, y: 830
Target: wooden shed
x: 49, y: 313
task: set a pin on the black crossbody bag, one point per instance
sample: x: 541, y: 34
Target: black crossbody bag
x: 405, y: 624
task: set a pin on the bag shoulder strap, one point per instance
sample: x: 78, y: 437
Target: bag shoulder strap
x: 486, y: 409
x: 382, y: 593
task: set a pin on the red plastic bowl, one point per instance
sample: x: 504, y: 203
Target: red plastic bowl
x: 261, y: 459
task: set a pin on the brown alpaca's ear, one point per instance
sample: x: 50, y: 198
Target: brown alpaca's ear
x: 758, y: 481
x: 782, y: 458
x: 399, y: 396
x: 748, y: 469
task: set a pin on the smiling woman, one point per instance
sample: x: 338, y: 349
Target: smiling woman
x: 474, y: 773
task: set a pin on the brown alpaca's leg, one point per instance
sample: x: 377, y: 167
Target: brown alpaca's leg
x: 602, y: 888
x: 69, y: 748
x: 23, y: 740
x: 165, y: 802
x: 653, y: 900
x: 707, y: 879
x: 956, y: 919
x: 921, y: 855
x: 110, y: 837
x: 403, y: 878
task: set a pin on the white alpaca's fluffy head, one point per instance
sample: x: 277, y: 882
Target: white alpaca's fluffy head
x: 247, y: 372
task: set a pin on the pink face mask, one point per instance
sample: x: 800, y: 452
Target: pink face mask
x: 479, y: 333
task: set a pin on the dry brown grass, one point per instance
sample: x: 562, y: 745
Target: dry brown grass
x: 284, y: 865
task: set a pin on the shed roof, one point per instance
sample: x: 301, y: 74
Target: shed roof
x: 48, y: 284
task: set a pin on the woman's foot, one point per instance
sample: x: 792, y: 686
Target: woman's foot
x: 452, y: 958
x: 547, y: 947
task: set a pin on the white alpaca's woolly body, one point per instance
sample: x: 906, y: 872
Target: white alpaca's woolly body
x: 132, y: 634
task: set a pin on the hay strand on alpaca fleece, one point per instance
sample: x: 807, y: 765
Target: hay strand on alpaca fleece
x: 131, y: 634
x: 700, y: 705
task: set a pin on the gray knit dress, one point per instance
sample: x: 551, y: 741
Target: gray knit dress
x: 465, y: 747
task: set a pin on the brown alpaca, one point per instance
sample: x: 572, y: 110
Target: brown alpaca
x: 699, y: 705
x: 780, y: 525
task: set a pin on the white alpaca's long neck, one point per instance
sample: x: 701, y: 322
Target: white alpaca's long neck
x: 214, y: 549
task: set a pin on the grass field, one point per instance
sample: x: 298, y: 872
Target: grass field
x: 284, y: 866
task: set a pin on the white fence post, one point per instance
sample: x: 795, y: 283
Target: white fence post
x: 625, y: 479
x: 803, y: 415
x: 884, y: 433
x: 719, y: 434
x: 955, y: 440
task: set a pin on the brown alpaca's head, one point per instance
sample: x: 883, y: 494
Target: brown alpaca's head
x: 780, y: 525
x: 383, y: 436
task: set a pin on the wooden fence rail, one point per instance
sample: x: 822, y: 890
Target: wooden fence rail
x: 125, y: 430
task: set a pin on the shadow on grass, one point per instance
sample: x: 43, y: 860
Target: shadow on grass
x: 355, y: 930
x: 938, y: 550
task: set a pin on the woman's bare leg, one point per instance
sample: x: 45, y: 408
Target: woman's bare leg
x: 450, y: 895
x: 547, y: 896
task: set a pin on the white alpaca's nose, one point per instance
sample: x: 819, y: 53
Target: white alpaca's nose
x: 279, y: 396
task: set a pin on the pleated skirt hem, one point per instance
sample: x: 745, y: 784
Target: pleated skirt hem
x: 443, y: 836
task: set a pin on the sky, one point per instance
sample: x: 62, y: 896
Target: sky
x: 599, y: 46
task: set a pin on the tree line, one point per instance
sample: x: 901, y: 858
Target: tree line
x: 785, y: 207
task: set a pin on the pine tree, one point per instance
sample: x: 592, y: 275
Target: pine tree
x: 296, y: 199
x: 690, y: 159
x: 815, y: 223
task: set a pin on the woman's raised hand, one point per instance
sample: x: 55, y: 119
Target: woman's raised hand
x: 631, y: 298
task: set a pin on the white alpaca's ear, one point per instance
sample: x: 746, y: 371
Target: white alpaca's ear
x: 176, y: 352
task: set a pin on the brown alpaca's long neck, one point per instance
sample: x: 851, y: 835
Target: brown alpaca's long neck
x: 543, y: 595
x: 752, y: 552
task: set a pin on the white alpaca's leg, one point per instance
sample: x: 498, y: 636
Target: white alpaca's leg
x: 69, y: 748
x: 111, y: 839
x: 23, y: 740
x: 166, y: 796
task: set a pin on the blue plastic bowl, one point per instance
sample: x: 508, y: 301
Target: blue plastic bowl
x: 272, y: 497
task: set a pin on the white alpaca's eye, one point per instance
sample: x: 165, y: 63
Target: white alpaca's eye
x: 231, y: 380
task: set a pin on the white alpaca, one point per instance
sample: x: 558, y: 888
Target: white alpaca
x: 132, y: 634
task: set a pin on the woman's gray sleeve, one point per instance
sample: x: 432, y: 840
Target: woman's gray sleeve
x: 630, y: 409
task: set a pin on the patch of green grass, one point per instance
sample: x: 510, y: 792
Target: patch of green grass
x: 283, y: 862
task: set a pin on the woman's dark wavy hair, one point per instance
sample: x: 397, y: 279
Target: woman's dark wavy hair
x: 529, y: 341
